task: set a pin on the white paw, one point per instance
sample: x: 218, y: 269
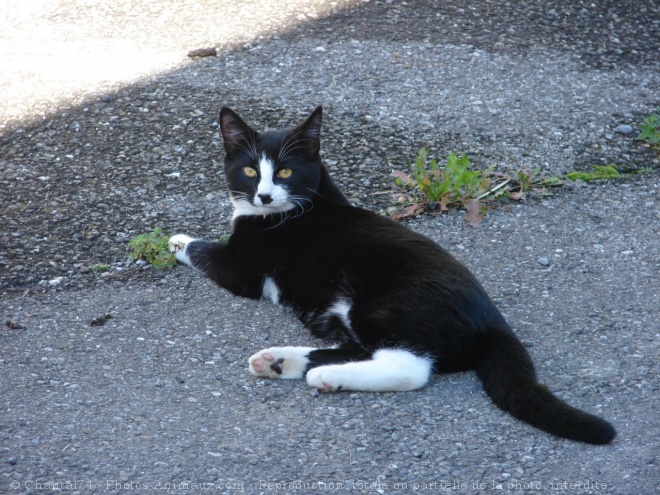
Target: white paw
x: 389, y: 370
x: 178, y: 244
x: 280, y: 362
x: 325, y: 378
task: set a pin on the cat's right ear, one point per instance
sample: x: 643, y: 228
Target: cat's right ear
x: 236, y: 134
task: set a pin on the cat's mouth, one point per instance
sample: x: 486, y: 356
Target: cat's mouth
x: 243, y: 206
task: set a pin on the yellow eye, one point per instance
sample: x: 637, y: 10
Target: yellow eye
x: 249, y: 171
x: 285, y: 173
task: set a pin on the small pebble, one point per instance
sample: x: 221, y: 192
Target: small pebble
x: 99, y: 321
x: 544, y: 261
x: 624, y: 129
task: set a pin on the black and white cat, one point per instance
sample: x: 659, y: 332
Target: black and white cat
x: 396, y: 305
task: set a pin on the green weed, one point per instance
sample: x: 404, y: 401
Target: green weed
x: 152, y: 248
x: 600, y: 172
x: 455, y: 185
x: 651, y: 132
x: 452, y: 184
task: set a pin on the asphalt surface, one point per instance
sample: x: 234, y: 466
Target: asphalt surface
x: 134, y: 380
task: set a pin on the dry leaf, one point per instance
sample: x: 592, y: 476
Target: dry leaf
x: 400, y: 175
x: 474, y: 212
x: 408, y: 211
x: 444, y: 202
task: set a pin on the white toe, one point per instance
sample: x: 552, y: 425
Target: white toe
x: 178, y: 244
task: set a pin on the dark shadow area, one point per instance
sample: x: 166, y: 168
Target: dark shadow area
x: 602, y: 34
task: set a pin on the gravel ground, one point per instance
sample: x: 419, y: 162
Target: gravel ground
x: 107, y: 130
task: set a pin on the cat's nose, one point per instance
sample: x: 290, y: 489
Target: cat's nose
x: 265, y: 198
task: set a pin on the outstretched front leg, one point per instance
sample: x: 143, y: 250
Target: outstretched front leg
x: 230, y: 268
x: 196, y: 253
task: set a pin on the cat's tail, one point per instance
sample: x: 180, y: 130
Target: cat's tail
x: 508, y: 377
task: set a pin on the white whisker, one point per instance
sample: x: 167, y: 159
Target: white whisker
x: 249, y: 149
x: 288, y: 153
x: 289, y: 145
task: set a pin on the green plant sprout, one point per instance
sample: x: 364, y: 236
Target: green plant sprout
x: 454, y: 184
x: 651, y: 132
x: 153, y: 248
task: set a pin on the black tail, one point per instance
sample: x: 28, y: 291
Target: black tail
x: 508, y: 376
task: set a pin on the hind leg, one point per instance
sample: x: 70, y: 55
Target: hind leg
x: 280, y: 362
x: 389, y: 370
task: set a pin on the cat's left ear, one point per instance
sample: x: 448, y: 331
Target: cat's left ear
x: 311, y: 130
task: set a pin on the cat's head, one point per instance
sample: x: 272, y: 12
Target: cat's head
x: 271, y: 172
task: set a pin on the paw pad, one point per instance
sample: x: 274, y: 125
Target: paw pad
x: 280, y: 362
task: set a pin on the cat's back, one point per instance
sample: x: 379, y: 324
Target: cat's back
x: 365, y: 226
x: 333, y: 238
x: 366, y: 238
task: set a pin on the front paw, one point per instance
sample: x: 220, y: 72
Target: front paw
x: 178, y: 244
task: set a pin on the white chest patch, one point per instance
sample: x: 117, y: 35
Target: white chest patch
x: 270, y: 291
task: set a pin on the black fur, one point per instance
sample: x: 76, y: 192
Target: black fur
x: 406, y: 291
